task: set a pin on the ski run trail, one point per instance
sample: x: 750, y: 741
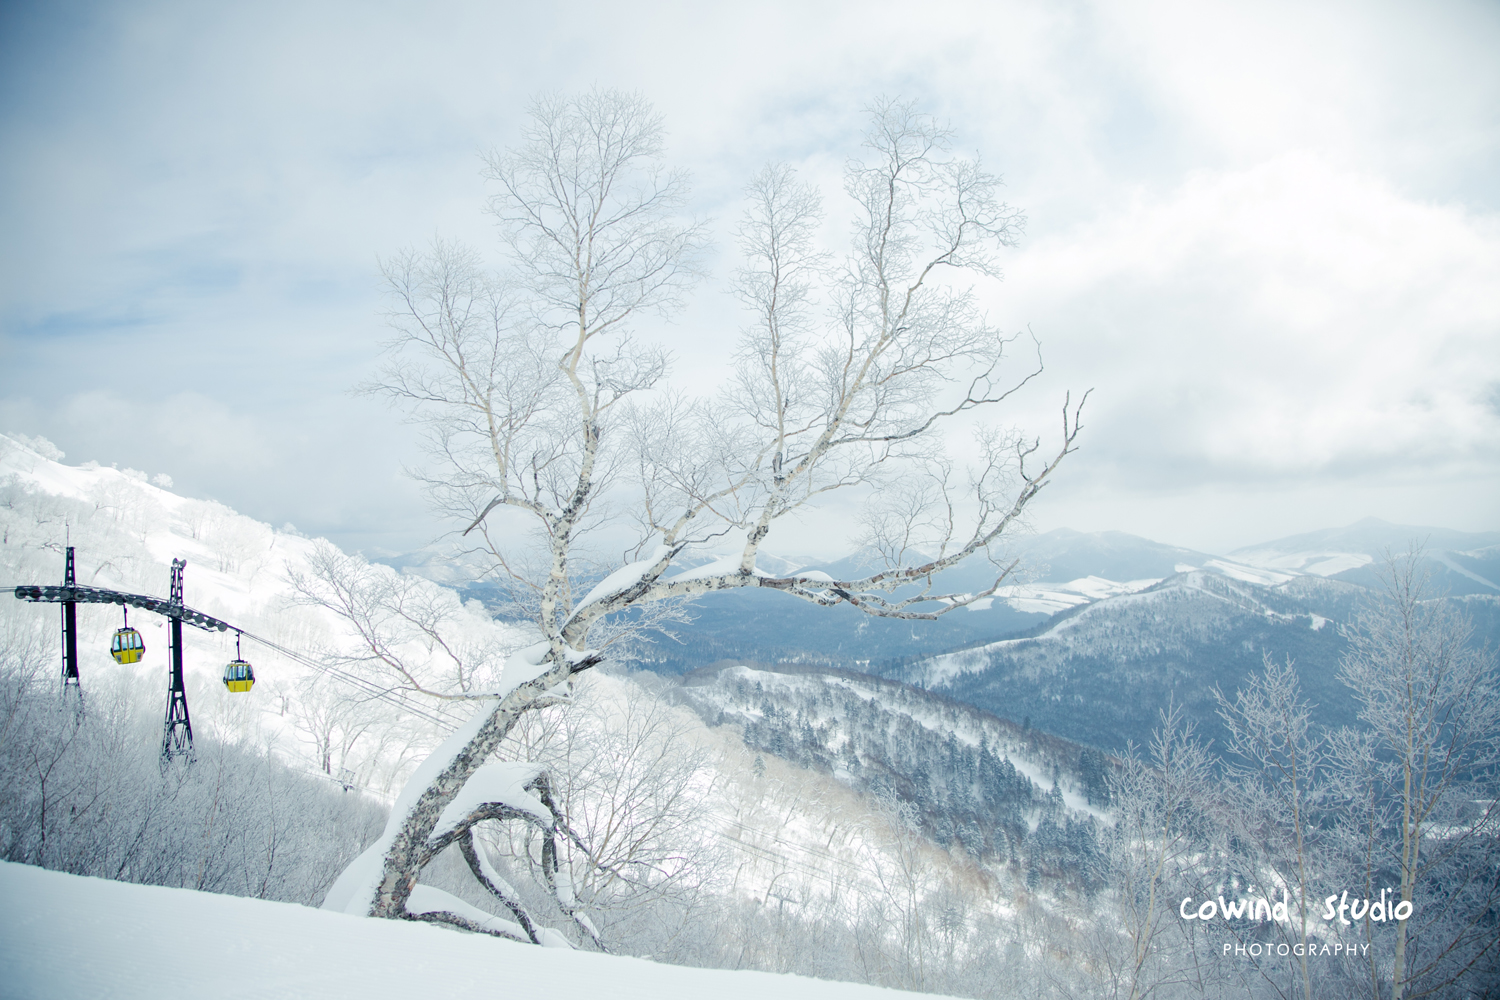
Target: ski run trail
x: 65, y: 937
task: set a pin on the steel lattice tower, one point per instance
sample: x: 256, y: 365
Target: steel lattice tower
x: 177, y: 736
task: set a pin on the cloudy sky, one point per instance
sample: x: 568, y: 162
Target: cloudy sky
x: 1267, y: 235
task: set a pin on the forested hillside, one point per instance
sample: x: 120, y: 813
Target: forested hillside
x: 1000, y: 792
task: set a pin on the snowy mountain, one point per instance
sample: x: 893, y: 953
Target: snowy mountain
x: 1459, y: 562
x: 1052, y: 646
x: 1056, y: 571
x: 1100, y: 673
x: 126, y: 529
x: 1065, y: 554
x: 928, y: 829
x: 1107, y: 626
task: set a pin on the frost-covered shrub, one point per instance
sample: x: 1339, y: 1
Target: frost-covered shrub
x: 82, y: 791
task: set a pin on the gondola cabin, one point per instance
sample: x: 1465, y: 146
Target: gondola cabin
x: 238, y: 676
x: 127, y: 646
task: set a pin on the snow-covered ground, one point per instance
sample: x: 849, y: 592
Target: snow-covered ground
x: 1050, y: 598
x: 1315, y: 562
x: 64, y: 937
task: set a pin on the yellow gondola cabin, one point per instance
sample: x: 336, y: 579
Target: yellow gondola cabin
x: 239, y: 677
x: 127, y: 646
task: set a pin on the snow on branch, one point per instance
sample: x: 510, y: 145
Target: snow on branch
x: 499, y: 784
x: 437, y: 906
x: 498, y: 886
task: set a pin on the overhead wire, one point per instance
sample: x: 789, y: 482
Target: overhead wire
x: 369, y: 687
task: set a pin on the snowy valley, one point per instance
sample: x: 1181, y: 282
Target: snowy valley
x: 953, y: 823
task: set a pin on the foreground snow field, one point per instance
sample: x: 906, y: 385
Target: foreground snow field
x: 65, y: 937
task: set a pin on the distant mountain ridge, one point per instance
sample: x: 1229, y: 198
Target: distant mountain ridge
x: 1099, y: 657
x: 1099, y: 674
x: 1100, y: 630
x: 1458, y: 562
x: 1058, y: 570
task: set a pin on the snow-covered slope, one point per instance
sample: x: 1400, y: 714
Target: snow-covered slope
x: 126, y: 529
x: 843, y: 710
x: 63, y: 937
x: 757, y: 830
x: 965, y: 777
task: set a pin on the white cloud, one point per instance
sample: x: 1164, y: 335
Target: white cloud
x: 1288, y: 320
x: 1266, y: 232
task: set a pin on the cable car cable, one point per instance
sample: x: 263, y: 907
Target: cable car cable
x: 435, y: 716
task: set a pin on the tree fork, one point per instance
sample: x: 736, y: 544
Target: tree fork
x: 476, y: 865
x: 411, y: 850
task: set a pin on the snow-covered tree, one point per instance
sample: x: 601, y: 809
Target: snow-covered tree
x: 1162, y: 832
x: 1276, y: 774
x: 1424, y: 814
x: 553, y: 428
